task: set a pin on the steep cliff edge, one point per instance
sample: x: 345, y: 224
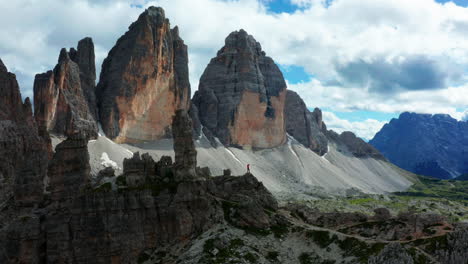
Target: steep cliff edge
x: 305, y: 126
x: 63, y: 98
x: 144, y: 80
x: 241, y: 95
x: 24, y: 149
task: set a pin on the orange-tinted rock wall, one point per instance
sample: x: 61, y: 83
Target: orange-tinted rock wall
x: 144, y: 80
x: 252, y: 128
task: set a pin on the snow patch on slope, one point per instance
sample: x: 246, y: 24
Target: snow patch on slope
x: 107, y: 162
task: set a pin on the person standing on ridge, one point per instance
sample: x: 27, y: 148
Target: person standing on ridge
x: 248, y: 168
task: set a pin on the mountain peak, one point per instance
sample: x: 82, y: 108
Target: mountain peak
x: 241, y: 41
x: 432, y: 145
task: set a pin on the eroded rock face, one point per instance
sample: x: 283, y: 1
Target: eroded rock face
x: 241, y: 95
x: 84, y: 57
x: 69, y: 170
x: 144, y: 80
x: 305, y: 126
x: 184, y: 148
x: 60, y: 105
x: 23, y: 152
x: 359, y: 147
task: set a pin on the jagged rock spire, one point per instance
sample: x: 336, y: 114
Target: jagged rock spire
x: 184, y: 147
x: 60, y: 104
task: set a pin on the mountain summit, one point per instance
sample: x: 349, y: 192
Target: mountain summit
x: 144, y: 80
x: 241, y: 95
x: 432, y: 145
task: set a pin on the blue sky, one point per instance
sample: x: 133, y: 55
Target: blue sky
x: 362, y: 62
x: 296, y: 74
x: 285, y: 6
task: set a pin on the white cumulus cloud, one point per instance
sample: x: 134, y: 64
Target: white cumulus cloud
x: 375, y: 55
x: 365, y: 129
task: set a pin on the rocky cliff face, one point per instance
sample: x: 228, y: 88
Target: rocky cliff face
x: 184, y: 148
x: 241, y: 95
x: 144, y: 80
x: 62, y: 100
x: 432, y: 145
x: 69, y: 170
x: 305, y: 126
x: 84, y: 57
x: 23, y: 152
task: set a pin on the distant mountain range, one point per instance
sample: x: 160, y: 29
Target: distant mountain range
x: 431, y: 145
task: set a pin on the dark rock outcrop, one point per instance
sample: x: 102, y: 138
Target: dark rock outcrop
x: 138, y: 170
x: 69, y: 169
x: 24, y: 151
x: 144, y: 80
x: 185, y: 153
x: 432, y: 145
x: 241, y: 95
x: 60, y: 104
x: 305, y: 126
x: 392, y: 253
x: 84, y: 57
x: 358, y: 147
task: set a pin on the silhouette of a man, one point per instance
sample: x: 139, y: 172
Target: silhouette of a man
x: 248, y: 168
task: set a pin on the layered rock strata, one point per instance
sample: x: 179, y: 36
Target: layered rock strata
x: 241, y: 95
x: 144, y: 80
x: 60, y: 104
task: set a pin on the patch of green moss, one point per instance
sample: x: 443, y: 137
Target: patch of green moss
x: 256, y: 231
x: 251, y: 257
x: 279, y: 230
x: 106, y: 187
x: 272, y: 255
x: 360, y: 249
x: 121, y: 181
x: 321, y: 238
x: 208, y: 246
x: 430, y: 187
x: 143, y: 257
x: 360, y: 201
x: 25, y: 218
x: 312, y: 258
